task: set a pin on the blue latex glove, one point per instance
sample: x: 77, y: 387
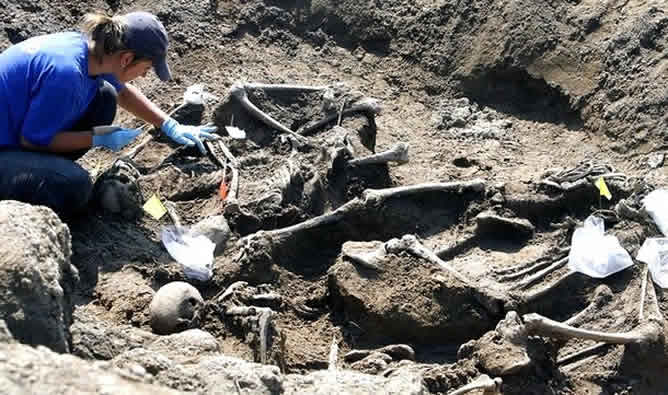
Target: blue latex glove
x: 114, y: 138
x: 189, y: 135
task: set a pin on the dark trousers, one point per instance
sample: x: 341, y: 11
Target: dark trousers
x: 55, y: 180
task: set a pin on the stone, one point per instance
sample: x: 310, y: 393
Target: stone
x: 36, y: 275
x: 345, y: 382
x: 96, y: 339
x: 403, y: 303
x: 216, y: 229
x: 41, y: 371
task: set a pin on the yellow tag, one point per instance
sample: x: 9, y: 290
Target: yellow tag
x: 600, y: 184
x: 155, y: 208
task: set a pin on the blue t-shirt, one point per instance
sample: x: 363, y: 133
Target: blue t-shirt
x: 45, y: 87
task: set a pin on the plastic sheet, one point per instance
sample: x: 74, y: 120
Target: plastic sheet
x: 654, y: 252
x: 596, y: 254
x: 656, y: 205
x: 193, y: 251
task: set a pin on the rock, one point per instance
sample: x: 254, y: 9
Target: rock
x: 375, y: 363
x: 28, y: 370
x: 216, y: 229
x: 502, y: 351
x: 96, y: 339
x: 36, y: 275
x: 488, y: 224
x: 403, y: 303
x: 175, y: 307
x: 345, y: 382
x: 187, y: 344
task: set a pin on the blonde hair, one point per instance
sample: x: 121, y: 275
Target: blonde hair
x: 105, y: 34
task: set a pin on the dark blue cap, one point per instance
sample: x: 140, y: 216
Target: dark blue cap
x: 145, y: 35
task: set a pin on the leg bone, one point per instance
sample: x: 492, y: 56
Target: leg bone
x: 377, y: 196
x: 488, y: 385
x: 398, y: 153
x: 543, y: 326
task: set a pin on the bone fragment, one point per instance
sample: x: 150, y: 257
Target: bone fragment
x: 371, y: 260
x: 265, y: 318
x: 171, y: 211
x: 567, y: 359
x: 271, y: 297
x: 543, y: 326
x: 233, y: 193
x: 230, y: 290
x: 241, y: 310
x: 602, y: 295
x: 138, y: 148
x: 411, y: 244
x: 333, y: 355
x: 488, y: 385
x: 398, y: 153
x: 377, y: 196
x: 643, y: 293
x: 220, y: 145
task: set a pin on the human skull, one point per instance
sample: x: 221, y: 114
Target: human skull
x: 117, y: 190
x: 175, y: 307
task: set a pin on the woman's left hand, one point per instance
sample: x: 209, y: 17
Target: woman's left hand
x: 189, y: 135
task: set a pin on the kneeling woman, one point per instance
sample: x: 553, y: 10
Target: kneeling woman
x: 58, y: 98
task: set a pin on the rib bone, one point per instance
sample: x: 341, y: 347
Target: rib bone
x: 398, y: 153
x: 488, y: 385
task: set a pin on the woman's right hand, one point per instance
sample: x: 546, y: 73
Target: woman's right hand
x: 113, y: 137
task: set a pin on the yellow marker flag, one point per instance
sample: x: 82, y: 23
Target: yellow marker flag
x: 600, y: 184
x: 155, y: 208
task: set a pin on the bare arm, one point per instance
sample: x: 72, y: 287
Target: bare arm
x: 134, y: 101
x: 63, y: 142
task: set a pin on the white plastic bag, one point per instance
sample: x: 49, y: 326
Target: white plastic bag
x: 656, y: 205
x: 193, y: 252
x: 654, y: 252
x: 595, y: 254
x: 196, y: 94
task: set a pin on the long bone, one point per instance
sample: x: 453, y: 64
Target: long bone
x: 239, y: 92
x: 485, y: 383
x: 372, y: 198
x: 378, y: 196
x: 398, y: 153
x: 543, y: 326
x: 649, y: 331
